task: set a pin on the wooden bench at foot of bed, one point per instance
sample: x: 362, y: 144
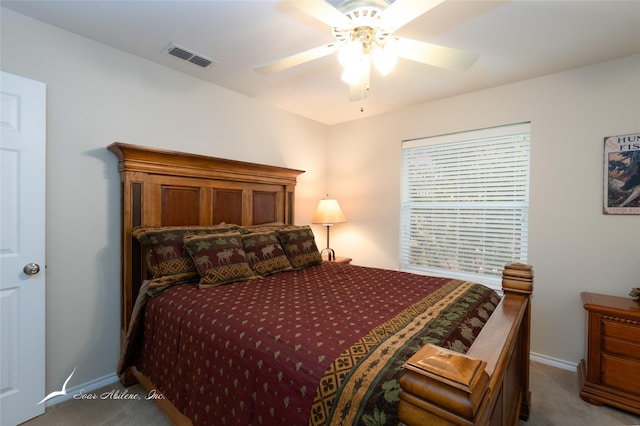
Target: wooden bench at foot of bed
x: 487, y: 386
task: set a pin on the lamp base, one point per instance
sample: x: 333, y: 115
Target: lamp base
x: 331, y: 255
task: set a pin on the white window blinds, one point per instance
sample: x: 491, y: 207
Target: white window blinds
x: 465, y: 203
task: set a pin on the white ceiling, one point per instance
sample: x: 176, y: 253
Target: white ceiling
x: 516, y: 40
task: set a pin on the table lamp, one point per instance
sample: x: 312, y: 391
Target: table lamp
x: 328, y: 214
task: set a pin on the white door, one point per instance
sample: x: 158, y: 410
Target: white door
x: 22, y: 248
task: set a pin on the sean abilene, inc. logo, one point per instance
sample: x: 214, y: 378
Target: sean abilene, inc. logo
x: 110, y: 394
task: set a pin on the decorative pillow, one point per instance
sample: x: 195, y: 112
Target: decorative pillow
x: 165, y: 253
x: 299, y: 245
x: 219, y: 258
x: 264, y: 253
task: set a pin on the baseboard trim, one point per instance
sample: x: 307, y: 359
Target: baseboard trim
x: 554, y: 362
x: 84, y: 388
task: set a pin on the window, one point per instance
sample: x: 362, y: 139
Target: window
x: 465, y: 203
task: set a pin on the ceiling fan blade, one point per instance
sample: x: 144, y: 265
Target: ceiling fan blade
x: 297, y: 59
x: 433, y: 54
x: 322, y: 11
x: 358, y: 92
x: 401, y: 12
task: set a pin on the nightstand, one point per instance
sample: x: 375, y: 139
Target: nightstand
x: 611, y: 373
x: 338, y: 259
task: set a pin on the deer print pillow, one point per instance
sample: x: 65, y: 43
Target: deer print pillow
x: 219, y: 258
x: 264, y: 253
x: 299, y: 245
x: 164, y: 252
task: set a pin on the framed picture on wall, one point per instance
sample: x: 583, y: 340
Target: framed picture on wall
x: 622, y: 174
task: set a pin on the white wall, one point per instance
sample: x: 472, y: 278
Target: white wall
x: 573, y: 246
x: 97, y: 95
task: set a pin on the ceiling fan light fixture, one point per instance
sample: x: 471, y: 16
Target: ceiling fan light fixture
x: 350, y: 53
x: 357, y: 72
x: 383, y: 60
x: 352, y: 74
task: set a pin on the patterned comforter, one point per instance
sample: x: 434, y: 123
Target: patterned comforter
x: 322, y: 345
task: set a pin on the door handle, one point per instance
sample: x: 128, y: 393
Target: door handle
x: 31, y: 268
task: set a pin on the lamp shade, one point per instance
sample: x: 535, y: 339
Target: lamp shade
x: 328, y: 212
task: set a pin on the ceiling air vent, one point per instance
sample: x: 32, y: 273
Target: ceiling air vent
x: 188, y: 55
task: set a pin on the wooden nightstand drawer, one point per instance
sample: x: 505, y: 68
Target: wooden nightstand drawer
x: 621, y: 374
x: 621, y: 331
x: 621, y: 347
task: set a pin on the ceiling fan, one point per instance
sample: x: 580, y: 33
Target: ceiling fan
x: 364, y: 35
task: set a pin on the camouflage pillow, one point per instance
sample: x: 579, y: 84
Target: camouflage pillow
x: 219, y: 258
x: 165, y: 254
x: 299, y: 245
x: 264, y: 253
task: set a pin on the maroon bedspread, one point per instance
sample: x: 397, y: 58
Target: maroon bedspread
x: 254, y: 352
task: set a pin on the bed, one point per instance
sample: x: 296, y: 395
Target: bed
x: 256, y: 332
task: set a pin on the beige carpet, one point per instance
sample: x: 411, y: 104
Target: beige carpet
x: 554, y: 394
x: 556, y: 401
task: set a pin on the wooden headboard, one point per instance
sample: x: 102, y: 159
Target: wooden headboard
x: 165, y: 188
